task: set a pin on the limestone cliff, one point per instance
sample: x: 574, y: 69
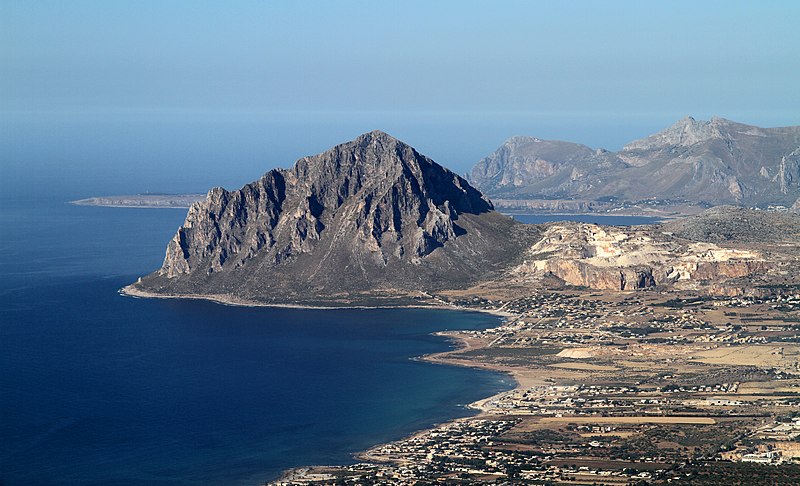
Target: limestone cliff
x: 530, y: 168
x: 723, y: 250
x: 368, y: 215
x: 615, y: 258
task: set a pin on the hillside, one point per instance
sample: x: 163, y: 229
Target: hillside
x: 702, y: 163
x: 366, y: 221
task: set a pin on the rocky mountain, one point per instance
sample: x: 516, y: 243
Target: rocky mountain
x: 528, y: 166
x: 700, y: 162
x: 367, y: 221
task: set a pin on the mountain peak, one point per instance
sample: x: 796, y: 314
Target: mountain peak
x: 377, y: 135
x: 523, y: 161
x: 520, y: 139
x: 685, y: 132
x: 702, y: 161
x: 365, y: 214
x: 378, y: 161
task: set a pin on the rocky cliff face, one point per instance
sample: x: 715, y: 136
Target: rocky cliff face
x: 684, y: 133
x: 367, y: 215
x: 612, y: 258
x: 535, y: 168
x: 714, y: 162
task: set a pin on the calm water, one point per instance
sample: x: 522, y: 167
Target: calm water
x: 96, y: 388
x: 587, y: 218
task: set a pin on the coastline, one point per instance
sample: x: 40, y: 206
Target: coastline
x: 143, y: 201
x: 373, y: 455
x: 131, y: 291
x: 460, y: 343
x: 128, y: 206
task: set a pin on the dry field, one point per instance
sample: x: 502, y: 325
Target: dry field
x: 630, y: 420
x: 763, y: 355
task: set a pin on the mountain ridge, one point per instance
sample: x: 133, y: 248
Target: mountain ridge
x: 698, y: 162
x: 366, y: 215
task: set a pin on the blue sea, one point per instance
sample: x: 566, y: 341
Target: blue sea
x: 101, y: 389
x: 97, y: 388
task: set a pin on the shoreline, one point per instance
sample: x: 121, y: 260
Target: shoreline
x: 131, y: 291
x: 440, y: 358
x: 371, y: 456
x: 128, y: 206
x: 142, y: 201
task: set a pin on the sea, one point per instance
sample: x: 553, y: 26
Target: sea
x: 97, y: 388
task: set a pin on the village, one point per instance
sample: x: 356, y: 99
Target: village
x: 631, y: 388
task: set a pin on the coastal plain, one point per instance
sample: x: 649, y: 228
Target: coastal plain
x: 641, y: 387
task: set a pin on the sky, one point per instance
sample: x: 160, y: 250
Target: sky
x: 177, y: 96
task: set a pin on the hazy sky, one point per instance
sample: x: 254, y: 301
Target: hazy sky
x: 178, y: 95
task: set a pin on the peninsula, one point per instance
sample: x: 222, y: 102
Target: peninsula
x: 368, y: 222
x: 373, y: 222
x: 142, y: 201
x: 642, y: 354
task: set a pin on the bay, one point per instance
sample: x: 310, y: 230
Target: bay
x: 98, y: 388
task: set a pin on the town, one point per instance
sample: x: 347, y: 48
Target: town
x: 639, y: 387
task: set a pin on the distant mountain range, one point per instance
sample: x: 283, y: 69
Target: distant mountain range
x: 692, y: 162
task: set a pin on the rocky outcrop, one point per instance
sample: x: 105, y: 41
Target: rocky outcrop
x: 693, y: 161
x: 366, y: 215
x: 788, y: 173
x: 684, y: 133
x: 544, y: 169
x: 547, y: 205
x: 676, y: 255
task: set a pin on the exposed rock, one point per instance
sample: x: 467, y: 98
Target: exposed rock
x: 367, y: 215
x: 374, y: 222
x: 700, y: 162
x: 645, y: 279
x: 543, y: 168
x: 682, y: 254
x: 684, y: 133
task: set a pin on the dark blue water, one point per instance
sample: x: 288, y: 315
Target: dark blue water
x: 587, y: 218
x: 96, y: 388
